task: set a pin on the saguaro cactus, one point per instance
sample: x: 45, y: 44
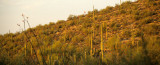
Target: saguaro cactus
x: 106, y: 33
x: 101, y: 43
x: 91, y: 44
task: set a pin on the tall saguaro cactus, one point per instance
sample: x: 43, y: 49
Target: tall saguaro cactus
x: 31, y: 45
x: 101, y: 43
x: 91, y: 44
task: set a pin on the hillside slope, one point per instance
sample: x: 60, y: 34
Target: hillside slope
x: 130, y: 35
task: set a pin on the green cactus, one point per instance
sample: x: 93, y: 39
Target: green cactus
x: 101, y: 43
x: 106, y: 33
x: 91, y: 45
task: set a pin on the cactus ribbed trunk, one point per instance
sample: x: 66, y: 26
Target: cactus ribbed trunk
x: 101, y: 44
x: 106, y: 33
x: 91, y: 44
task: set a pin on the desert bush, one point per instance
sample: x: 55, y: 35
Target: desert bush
x: 151, y: 29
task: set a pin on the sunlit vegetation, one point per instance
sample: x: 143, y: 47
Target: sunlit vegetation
x: 127, y: 34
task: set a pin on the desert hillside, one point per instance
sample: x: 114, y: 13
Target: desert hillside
x: 127, y: 34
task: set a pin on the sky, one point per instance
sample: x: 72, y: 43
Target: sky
x: 44, y: 11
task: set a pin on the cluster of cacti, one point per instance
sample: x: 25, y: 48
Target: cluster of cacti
x: 107, y: 46
x: 30, y: 41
